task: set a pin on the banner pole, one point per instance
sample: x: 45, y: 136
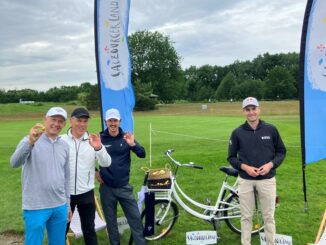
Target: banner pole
x: 304, y: 187
x: 302, y: 98
x: 150, y: 144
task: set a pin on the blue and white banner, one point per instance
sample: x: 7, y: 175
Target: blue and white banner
x: 313, y: 82
x: 113, y: 59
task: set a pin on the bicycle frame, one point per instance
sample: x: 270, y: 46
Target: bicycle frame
x: 216, y: 212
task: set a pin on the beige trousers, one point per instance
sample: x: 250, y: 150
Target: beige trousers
x: 267, y: 194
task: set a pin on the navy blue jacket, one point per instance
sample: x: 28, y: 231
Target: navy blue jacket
x: 117, y: 175
x: 255, y: 148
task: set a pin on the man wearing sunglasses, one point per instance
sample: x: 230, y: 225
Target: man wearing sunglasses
x: 256, y: 150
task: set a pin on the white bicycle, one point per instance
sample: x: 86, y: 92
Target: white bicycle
x: 226, y: 208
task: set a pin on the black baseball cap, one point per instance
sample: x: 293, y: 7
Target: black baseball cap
x: 80, y: 112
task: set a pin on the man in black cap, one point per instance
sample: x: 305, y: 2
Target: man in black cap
x: 85, y: 150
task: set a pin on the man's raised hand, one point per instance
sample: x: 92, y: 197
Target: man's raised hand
x: 95, y: 141
x: 35, y: 133
x: 130, y: 139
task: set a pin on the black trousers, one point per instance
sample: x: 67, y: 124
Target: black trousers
x: 86, y: 207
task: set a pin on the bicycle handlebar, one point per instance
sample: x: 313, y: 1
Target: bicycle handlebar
x: 190, y: 164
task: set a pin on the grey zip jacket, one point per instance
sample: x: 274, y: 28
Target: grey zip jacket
x: 45, y: 172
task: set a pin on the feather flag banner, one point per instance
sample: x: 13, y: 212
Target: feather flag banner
x: 313, y: 86
x: 113, y: 59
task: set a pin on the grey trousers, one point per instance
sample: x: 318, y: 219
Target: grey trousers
x: 124, y: 195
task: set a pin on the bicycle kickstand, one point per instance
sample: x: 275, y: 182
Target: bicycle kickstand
x: 213, y: 221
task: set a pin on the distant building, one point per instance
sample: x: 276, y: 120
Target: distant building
x: 153, y: 96
x: 21, y: 101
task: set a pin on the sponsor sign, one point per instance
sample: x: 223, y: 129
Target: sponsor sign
x: 201, y: 237
x: 279, y: 239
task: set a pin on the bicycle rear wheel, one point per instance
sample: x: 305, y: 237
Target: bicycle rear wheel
x: 235, y: 223
x: 162, y: 227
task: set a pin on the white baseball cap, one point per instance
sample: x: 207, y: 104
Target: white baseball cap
x: 56, y: 111
x: 249, y: 101
x: 112, y: 114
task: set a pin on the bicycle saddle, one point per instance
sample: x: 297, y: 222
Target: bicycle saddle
x: 229, y: 171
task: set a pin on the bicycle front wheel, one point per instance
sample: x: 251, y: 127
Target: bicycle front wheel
x: 234, y: 210
x: 165, y: 218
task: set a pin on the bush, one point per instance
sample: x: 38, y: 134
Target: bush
x: 144, y: 103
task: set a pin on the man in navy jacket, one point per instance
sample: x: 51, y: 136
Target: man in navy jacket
x: 114, y: 180
x: 256, y: 149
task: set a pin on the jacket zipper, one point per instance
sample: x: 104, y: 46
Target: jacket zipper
x: 89, y: 177
x: 77, y: 150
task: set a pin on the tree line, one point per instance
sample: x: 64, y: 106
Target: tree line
x: 156, y: 70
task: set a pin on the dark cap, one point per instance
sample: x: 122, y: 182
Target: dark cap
x: 80, y: 112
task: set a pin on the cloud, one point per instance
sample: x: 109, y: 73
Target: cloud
x: 51, y: 43
x: 46, y: 42
x: 237, y: 31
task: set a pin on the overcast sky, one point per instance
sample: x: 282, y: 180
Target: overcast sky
x: 51, y: 43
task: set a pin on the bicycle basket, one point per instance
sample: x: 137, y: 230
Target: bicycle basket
x: 159, y: 178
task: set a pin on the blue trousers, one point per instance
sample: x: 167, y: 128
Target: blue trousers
x: 55, y: 221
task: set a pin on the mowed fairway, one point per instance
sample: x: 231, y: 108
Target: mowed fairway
x: 196, y: 135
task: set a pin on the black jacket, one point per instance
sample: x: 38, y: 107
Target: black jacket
x: 117, y: 175
x: 255, y: 148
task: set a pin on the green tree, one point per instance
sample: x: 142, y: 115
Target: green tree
x: 85, y: 87
x: 62, y: 94
x: 201, y: 83
x: 280, y: 84
x: 242, y: 70
x: 91, y: 98
x: 227, y: 83
x: 156, y: 62
x: 143, y: 92
x: 191, y: 83
x: 248, y: 88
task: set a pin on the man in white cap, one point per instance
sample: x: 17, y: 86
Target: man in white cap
x: 256, y: 150
x: 114, y: 180
x: 44, y: 158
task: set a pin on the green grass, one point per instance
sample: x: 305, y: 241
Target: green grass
x: 197, y: 136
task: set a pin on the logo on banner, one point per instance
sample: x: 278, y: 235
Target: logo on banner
x: 316, y: 62
x: 279, y: 239
x: 114, y: 55
x: 201, y: 237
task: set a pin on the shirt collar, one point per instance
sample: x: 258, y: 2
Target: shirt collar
x: 52, y: 140
x: 84, y: 137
